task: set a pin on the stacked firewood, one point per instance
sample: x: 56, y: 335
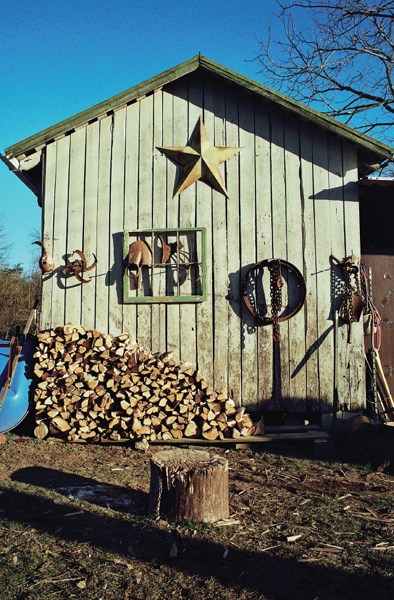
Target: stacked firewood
x: 91, y: 386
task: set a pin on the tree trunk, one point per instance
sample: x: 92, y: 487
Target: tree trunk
x: 189, y: 484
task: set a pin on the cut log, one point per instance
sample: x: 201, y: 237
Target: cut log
x: 92, y: 385
x: 189, y: 484
x: 41, y: 431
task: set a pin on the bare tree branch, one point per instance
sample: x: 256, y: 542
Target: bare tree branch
x: 338, y: 54
x: 4, y: 245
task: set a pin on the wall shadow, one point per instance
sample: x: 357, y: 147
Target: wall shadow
x: 253, y: 114
x: 84, y: 488
x: 349, y: 191
x: 115, y: 275
x: 274, y: 578
x: 311, y: 350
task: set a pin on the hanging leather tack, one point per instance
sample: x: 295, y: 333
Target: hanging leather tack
x: 352, y: 301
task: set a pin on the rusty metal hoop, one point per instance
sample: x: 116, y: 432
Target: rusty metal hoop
x: 262, y: 264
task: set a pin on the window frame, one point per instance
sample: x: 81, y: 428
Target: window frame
x: 194, y: 298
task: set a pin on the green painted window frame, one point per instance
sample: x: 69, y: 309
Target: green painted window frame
x: 177, y: 231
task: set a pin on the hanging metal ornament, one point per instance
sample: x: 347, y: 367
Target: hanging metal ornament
x: 352, y: 302
x: 46, y: 262
x: 79, y: 266
x: 250, y: 293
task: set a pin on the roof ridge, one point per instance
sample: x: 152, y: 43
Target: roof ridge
x: 39, y: 140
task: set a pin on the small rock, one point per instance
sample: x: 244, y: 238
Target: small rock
x: 293, y: 538
x: 81, y: 585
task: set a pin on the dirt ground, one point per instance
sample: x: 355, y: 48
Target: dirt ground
x: 75, y: 523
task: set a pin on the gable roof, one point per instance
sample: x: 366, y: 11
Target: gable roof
x: 372, y: 150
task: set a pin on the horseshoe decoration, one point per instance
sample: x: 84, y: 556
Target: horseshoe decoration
x: 79, y: 266
x: 274, y: 266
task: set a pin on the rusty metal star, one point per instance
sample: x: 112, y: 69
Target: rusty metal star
x: 200, y: 160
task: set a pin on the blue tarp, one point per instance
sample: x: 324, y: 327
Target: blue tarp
x: 16, y: 403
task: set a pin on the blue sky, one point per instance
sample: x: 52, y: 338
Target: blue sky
x: 60, y: 58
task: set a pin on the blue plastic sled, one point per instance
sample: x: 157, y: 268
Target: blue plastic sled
x: 17, y: 400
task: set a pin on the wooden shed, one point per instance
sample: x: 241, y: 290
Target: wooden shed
x: 119, y: 173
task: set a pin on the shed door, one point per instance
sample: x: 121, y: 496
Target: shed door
x: 382, y: 266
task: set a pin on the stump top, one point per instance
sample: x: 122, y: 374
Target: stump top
x: 186, y: 460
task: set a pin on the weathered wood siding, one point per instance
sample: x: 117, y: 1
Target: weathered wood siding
x: 292, y: 195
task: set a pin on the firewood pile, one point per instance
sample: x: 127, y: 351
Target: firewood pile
x: 91, y: 386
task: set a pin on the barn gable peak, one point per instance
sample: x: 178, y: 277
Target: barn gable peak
x: 371, y: 151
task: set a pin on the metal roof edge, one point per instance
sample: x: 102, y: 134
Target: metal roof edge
x: 30, y: 144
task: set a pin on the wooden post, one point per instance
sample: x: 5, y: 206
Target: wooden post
x: 189, y: 484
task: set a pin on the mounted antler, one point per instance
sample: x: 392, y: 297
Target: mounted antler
x: 46, y: 262
x: 79, y: 266
x: 140, y: 255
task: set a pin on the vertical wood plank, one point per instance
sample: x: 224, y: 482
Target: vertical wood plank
x: 353, y: 246
x: 115, y: 274
x: 233, y: 250
x: 310, y: 361
x: 103, y: 219
x: 145, y: 182
x: 131, y: 199
x: 338, y: 249
x: 248, y: 246
x: 159, y: 337
x: 263, y: 245
x: 50, y: 279
x: 204, y: 219
x: 75, y: 222
x: 179, y: 138
x: 172, y: 172
x: 279, y: 239
x: 90, y: 222
x: 323, y: 243
x: 60, y: 229
x: 187, y: 218
x: 295, y: 256
x: 219, y: 249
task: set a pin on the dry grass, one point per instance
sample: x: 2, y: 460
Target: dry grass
x: 73, y: 523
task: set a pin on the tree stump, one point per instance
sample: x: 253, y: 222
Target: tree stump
x: 189, y: 484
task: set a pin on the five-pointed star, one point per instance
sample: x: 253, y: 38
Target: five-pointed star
x: 200, y: 160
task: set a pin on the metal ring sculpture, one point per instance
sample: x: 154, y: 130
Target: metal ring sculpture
x: 267, y: 263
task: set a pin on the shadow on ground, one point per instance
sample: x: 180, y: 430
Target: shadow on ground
x: 84, y: 488
x: 274, y: 578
